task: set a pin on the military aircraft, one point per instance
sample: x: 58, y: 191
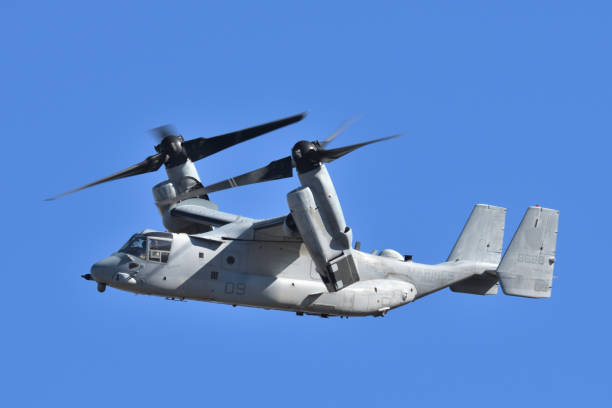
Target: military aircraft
x: 305, y: 261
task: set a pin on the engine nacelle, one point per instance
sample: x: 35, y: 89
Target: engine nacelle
x: 328, y: 205
x: 166, y: 194
x: 335, y: 265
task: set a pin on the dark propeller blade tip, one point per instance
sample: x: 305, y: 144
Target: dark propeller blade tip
x: 345, y: 125
x: 327, y: 156
x: 150, y: 164
x: 87, y: 276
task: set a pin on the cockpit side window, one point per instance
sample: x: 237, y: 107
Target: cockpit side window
x: 159, y: 250
x: 137, y: 246
x: 160, y: 244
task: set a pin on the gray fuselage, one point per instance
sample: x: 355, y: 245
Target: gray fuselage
x: 241, y: 264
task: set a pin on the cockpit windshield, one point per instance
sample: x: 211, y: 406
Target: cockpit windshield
x: 137, y: 246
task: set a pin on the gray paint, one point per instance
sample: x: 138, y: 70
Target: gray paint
x: 328, y: 206
x: 527, y: 267
x: 264, y: 263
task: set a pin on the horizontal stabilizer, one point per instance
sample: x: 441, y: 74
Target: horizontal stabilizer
x: 527, y: 266
x: 485, y: 284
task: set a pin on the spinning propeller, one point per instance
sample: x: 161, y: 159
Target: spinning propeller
x: 173, y: 150
x: 305, y: 156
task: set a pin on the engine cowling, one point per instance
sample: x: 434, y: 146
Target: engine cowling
x: 166, y: 194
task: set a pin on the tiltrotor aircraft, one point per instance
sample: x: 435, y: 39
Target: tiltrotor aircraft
x: 305, y: 261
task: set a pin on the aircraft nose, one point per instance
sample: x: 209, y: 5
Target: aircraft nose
x: 104, y: 270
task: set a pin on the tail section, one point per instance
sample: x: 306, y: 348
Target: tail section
x: 527, y: 266
x: 482, y: 236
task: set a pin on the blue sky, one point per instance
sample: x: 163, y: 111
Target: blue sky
x: 506, y: 103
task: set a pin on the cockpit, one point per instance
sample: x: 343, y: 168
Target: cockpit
x: 149, y: 246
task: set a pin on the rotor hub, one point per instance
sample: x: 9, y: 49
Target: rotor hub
x: 172, y: 149
x: 306, y: 156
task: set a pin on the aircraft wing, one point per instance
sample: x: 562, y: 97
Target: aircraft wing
x: 274, y: 230
x: 204, y: 212
x: 200, y: 211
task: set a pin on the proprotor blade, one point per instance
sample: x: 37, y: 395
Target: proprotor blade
x: 327, y: 156
x: 341, y: 129
x: 151, y: 163
x: 276, y: 170
x: 283, y: 168
x: 173, y: 151
x: 203, y: 147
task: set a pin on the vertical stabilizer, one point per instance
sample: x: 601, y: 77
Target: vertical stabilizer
x: 482, y: 236
x: 527, y: 266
